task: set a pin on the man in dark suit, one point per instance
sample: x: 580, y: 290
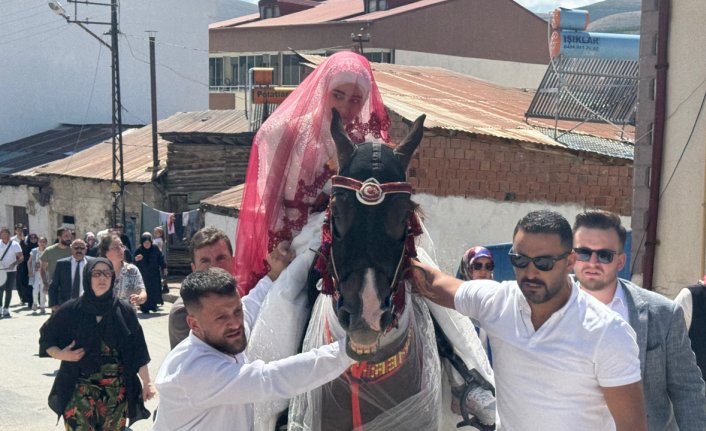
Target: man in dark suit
x: 67, y: 281
x: 672, y: 382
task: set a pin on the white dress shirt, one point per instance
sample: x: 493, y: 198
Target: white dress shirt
x: 687, y: 304
x: 619, y: 304
x: 201, y: 388
x: 82, y: 264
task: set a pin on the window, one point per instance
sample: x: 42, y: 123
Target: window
x: 375, y: 5
x: 215, y: 72
x: 290, y: 70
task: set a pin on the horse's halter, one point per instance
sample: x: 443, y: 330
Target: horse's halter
x: 369, y: 192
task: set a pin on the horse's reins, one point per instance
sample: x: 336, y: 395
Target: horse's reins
x: 370, y: 192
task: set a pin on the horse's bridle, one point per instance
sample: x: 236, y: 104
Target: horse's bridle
x: 370, y: 192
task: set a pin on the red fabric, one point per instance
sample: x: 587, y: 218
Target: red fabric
x: 293, y: 156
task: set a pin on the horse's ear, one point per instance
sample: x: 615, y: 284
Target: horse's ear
x: 405, y: 150
x: 344, y: 146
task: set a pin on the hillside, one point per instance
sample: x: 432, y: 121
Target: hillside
x: 228, y: 9
x: 605, y: 8
x: 626, y: 22
x: 612, y: 16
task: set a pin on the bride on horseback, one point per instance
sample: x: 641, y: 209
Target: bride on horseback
x: 287, y: 186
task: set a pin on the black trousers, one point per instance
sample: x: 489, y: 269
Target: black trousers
x: 7, y: 288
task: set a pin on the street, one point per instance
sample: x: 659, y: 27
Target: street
x: 27, y: 378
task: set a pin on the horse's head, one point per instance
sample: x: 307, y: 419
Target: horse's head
x: 370, y: 209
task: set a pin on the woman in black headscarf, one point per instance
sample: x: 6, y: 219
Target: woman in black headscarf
x: 150, y: 261
x: 102, y: 350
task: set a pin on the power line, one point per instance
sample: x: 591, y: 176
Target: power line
x: 6, y: 42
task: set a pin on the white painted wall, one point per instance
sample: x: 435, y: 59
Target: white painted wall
x: 47, y: 76
x: 224, y: 223
x: 507, y: 73
x: 455, y: 223
x: 21, y: 196
x: 680, y: 254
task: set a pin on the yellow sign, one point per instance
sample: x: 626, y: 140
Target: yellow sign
x: 276, y: 95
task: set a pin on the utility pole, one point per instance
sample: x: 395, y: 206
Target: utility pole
x: 360, y: 38
x: 117, y: 186
x: 153, y: 90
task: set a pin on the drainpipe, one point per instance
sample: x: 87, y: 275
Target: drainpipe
x: 657, y: 141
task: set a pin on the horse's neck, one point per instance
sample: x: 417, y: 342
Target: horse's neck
x: 393, y: 336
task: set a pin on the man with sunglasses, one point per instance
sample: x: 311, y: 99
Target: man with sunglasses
x: 562, y: 360
x: 67, y: 280
x: 673, y: 386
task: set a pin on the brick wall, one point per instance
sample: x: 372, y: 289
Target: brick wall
x: 460, y: 164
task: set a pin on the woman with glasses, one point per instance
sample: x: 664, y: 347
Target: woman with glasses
x: 476, y: 264
x: 128, y: 280
x: 102, y: 350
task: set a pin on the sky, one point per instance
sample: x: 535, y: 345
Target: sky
x: 540, y: 5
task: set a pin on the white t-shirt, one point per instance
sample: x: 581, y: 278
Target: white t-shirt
x: 201, y: 388
x: 551, y: 379
x: 10, y: 256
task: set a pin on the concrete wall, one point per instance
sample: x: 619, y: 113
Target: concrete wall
x: 506, y: 73
x: 21, y: 196
x: 681, y: 227
x: 225, y: 223
x: 51, y: 65
x: 455, y: 223
x: 88, y: 201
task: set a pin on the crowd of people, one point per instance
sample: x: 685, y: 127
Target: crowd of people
x: 46, y: 275
x: 572, y: 345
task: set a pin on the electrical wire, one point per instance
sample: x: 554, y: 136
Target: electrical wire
x: 163, y: 65
x: 7, y: 42
x: 88, y: 108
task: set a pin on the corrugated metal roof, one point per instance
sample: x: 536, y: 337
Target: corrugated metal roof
x: 330, y: 10
x: 229, y: 199
x: 454, y: 101
x: 235, y: 21
x: 395, y: 11
x: 55, y: 144
x: 96, y: 162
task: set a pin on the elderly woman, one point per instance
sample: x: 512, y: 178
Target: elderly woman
x: 293, y: 157
x: 128, y: 280
x: 102, y: 350
x: 150, y: 261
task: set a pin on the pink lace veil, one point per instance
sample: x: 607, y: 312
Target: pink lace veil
x: 293, y: 156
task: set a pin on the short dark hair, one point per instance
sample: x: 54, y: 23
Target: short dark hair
x: 104, y: 245
x: 61, y: 231
x: 211, y: 281
x: 600, y: 219
x: 206, y: 236
x: 548, y: 222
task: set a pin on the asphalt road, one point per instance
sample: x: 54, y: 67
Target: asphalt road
x: 25, y: 378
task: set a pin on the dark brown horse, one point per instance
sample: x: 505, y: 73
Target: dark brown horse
x: 368, y: 241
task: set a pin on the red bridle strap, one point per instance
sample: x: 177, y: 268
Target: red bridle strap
x: 370, y: 191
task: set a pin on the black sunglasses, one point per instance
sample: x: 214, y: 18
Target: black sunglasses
x: 542, y: 263
x: 477, y: 266
x: 604, y: 255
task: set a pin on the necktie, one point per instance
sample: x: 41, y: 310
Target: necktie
x: 77, y: 281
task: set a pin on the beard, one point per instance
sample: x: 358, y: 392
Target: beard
x: 232, y: 347
x: 537, y: 291
x: 66, y: 242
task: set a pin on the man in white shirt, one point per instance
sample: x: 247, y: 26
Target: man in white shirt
x: 562, y: 360
x: 10, y: 257
x: 207, y: 383
x: 673, y: 387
